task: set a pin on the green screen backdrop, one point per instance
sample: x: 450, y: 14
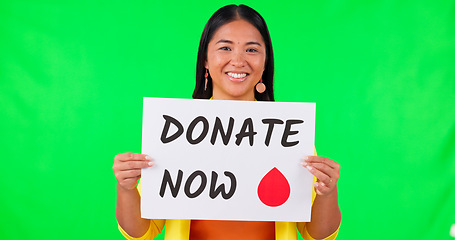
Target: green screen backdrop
x: 73, y: 74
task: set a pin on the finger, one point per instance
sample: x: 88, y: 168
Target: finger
x: 130, y: 165
x: 129, y: 183
x: 122, y: 175
x: 132, y: 157
x: 332, y: 173
x: 330, y: 183
x: 318, y: 174
x: 323, y: 160
x: 316, y: 159
x: 321, y: 189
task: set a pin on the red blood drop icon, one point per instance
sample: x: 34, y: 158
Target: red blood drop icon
x: 274, y: 189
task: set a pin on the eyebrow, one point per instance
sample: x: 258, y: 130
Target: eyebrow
x: 254, y: 43
x: 231, y: 42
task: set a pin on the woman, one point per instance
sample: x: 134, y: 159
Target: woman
x: 235, y: 62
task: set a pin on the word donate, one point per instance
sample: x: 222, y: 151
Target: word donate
x: 245, y: 131
x: 227, y: 160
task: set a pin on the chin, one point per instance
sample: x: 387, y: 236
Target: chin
x: 239, y: 95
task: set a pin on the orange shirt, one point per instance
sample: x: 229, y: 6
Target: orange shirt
x: 228, y: 230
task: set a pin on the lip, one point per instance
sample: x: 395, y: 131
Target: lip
x: 236, y: 79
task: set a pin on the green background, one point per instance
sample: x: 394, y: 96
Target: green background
x: 73, y: 74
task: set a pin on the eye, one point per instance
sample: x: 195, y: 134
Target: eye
x: 225, y: 48
x: 251, y: 50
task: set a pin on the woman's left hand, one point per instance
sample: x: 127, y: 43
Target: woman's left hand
x: 325, y: 170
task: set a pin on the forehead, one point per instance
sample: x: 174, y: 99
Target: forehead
x: 238, y: 31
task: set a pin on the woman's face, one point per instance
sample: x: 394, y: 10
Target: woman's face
x: 235, y: 59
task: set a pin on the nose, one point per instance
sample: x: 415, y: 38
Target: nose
x: 238, y: 59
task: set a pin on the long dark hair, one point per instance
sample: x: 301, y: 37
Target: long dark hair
x: 223, y: 16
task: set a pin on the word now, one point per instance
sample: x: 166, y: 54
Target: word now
x: 213, y: 192
x: 247, y: 130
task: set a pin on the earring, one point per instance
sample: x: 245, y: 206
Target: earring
x: 206, y: 80
x: 260, y: 86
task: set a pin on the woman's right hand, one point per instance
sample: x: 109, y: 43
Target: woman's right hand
x: 127, y: 168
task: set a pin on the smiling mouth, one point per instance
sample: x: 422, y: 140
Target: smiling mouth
x: 237, y: 76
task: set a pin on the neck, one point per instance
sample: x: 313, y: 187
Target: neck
x: 246, y: 97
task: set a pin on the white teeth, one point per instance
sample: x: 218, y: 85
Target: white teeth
x: 236, y: 75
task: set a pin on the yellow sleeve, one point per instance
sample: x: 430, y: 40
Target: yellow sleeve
x: 304, y: 232
x: 301, y: 226
x: 156, y: 225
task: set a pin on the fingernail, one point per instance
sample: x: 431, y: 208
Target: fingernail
x: 305, y: 158
x: 304, y: 164
x: 309, y: 168
x: 323, y: 184
x: 316, y: 184
x: 150, y: 164
x: 148, y: 158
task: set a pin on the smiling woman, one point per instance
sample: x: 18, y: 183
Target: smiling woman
x: 236, y: 52
x: 235, y: 62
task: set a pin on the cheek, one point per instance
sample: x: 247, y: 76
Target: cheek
x: 257, y: 62
x: 259, y: 66
x: 219, y: 61
x: 214, y: 61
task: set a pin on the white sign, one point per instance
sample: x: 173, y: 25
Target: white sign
x: 227, y: 160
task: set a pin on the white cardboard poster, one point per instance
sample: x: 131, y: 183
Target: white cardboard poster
x: 227, y: 160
